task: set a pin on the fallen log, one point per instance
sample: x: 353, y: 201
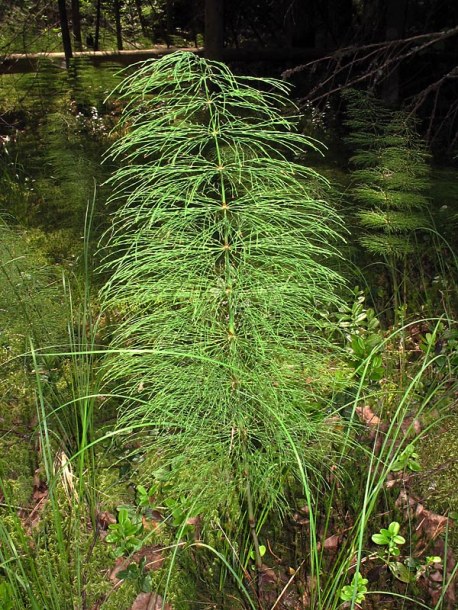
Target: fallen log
x: 21, y: 63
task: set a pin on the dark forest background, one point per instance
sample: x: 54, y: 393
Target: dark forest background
x: 406, y: 51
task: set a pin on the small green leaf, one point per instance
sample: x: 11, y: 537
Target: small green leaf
x: 123, y: 516
x: 147, y: 584
x: 131, y: 572
x: 433, y: 559
x: 393, y: 528
x: 401, y: 572
x: 262, y: 550
x: 397, y: 466
x: 380, y: 539
x: 356, y: 591
x: 414, y: 466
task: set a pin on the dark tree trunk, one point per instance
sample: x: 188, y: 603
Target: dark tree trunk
x: 214, y: 29
x: 298, y: 22
x: 76, y: 25
x: 141, y: 18
x: 372, y: 22
x: 343, y: 21
x: 98, y: 15
x: 168, y: 22
x: 394, y: 29
x: 117, y: 14
x: 66, y: 40
x: 334, y: 22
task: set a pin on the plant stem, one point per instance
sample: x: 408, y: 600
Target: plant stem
x: 252, y: 523
x: 226, y: 245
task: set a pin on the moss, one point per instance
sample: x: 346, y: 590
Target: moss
x: 21, y: 490
x: 439, y: 459
x: 438, y: 485
x: 98, y: 584
x: 114, y: 489
x: 120, y: 598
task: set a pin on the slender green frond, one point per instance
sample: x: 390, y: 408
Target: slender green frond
x: 220, y: 249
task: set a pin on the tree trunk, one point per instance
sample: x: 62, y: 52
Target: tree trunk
x: 342, y: 21
x: 214, y: 29
x: 394, y: 29
x: 141, y: 18
x: 76, y: 25
x: 66, y: 40
x: 168, y: 22
x: 298, y: 18
x: 117, y: 13
x: 98, y: 14
x: 372, y: 21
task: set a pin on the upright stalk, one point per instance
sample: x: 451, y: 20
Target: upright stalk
x: 66, y: 40
x: 252, y: 523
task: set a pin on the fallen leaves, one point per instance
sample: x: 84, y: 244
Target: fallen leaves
x: 154, y: 561
x: 429, y: 525
x: 368, y: 417
x: 149, y: 601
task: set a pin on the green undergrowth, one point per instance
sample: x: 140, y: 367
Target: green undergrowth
x: 384, y: 396
x: 439, y: 458
x: 439, y: 453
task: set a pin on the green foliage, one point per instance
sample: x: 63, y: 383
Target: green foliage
x: 220, y: 256
x: 125, y: 534
x: 390, y: 538
x: 31, y: 294
x: 138, y: 574
x: 438, y: 453
x: 408, y: 458
x: 390, y: 176
x: 356, y: 590
x: 144, y: 495
x: 411, y: 569
x: 217, y: 256
x: 361, y: 328
x: 262, y: 552
x: 443, y: 343
x: 6, y: 596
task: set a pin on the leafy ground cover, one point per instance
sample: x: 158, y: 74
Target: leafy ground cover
x: 147, y: 510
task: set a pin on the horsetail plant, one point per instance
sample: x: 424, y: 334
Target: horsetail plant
x: 220, y: 256
x: 390, y: 177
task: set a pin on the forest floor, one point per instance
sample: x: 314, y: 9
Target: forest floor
x: 91, y: 523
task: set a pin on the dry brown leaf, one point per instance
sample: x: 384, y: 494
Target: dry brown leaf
x: 411, y: 425
x: 429, y: 524
x: 149, y: 601
x: 267, y: 575
x: 300, y: 519
x: 154, y: 561
x: 153, y: 522
x: 153, y: 555
x: 121, y: 563
x: 368, y: 417
x: 331, y: 543
x: 105, y: 519
x: 436, y: 576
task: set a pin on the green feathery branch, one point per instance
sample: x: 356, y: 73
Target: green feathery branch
x: 221, y: 248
